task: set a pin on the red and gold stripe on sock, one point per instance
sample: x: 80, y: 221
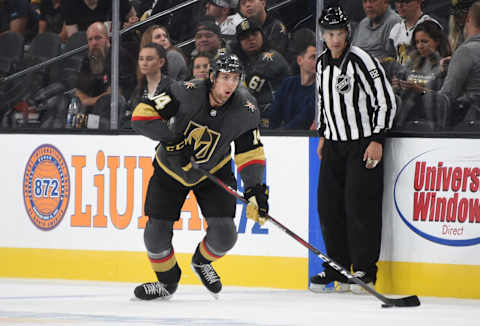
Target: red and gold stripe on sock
x: 164, y: 264
x: 206, y: 253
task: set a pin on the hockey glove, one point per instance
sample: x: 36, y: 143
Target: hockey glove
x: 257, y: 207
x: 165, y: 104
x: 180, y: 152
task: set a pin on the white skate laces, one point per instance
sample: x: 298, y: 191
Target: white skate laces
x: 208, y: 273
x: 156, y: 288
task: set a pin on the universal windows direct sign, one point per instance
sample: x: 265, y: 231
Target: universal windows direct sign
x: 434, y: 190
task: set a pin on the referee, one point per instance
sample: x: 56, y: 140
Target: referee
x: 357, y: 105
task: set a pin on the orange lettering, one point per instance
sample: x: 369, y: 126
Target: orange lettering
x: 145, y: 163
x: 100, y: 220
x: 79, y: 218
x: 121, y: 221
x: 190, y: 205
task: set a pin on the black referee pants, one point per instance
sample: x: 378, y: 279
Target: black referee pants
x: 350, y: 204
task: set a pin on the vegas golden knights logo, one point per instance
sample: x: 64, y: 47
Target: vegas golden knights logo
x: 203, y: 140
x: 245, y: 25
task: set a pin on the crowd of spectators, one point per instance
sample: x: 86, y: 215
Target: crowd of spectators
x: 426, y: 47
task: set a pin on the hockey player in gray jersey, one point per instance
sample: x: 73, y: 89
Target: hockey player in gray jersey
x: 199, y: 120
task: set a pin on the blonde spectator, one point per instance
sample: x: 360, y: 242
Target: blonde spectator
x: 458, y: 15
x: 177, y: 65
x: 152, y: 79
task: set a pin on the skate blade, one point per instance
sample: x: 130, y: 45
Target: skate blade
x: 167, y: 298
x: 216, y: 296
x: 336, y: 288
x: 357, y: 289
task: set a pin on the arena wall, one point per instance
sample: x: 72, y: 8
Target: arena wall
x: 73, y: 209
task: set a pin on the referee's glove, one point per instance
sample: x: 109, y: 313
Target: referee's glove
x: 257, y: 208
x: 165, y: 104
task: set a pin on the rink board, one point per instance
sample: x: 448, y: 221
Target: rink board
x: 431, y: 217
x: 74, y: 209
x: 97, y: 231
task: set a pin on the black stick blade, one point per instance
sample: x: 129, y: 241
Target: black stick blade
x: 411, y: 301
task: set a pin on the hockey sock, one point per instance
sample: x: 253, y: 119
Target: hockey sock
x: 166, y: 268
x: 204, y: 255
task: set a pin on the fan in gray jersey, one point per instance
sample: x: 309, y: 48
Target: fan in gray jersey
x: 265, y: 67
x: 198, y: 121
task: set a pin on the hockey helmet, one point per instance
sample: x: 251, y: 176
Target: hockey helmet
x: 226, y: 62
x: 334, y: 18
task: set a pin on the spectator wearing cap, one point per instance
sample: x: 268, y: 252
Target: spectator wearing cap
x: 401, y: 33
x: 274, y: 30
x: 207, y: 38
x: 221, y: 11
x: 265, y: 68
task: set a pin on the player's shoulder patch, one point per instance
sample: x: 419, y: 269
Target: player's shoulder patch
x: 268, y: 56
x: 191, y: 84
x: 244, y: 100
x: 250, y: 106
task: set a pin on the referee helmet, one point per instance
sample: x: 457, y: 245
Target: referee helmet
x: 333, y: 18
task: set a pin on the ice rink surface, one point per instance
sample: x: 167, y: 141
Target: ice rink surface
x: 60, y: 302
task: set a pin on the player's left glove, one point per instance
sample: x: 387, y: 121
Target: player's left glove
x: 165, y: 105
x: 257, y: 207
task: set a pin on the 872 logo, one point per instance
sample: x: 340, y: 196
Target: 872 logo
x: 46, y: 187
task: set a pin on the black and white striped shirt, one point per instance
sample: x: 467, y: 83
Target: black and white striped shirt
x: 356, y: 100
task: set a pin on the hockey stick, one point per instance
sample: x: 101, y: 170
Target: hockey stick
x: 410, y: 301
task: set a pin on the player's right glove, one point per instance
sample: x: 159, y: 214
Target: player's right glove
x: 257, y: 207
x: 165, y: 104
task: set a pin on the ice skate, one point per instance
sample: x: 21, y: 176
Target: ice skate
x: 155, y: 290
x: 209, y: 277
x: 357, y: 289
x: 321, y: 283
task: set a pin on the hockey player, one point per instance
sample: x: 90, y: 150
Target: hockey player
x: 199, y: 120
x: 357, y: 106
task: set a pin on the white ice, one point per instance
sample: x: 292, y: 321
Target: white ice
x: 60, y: 302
